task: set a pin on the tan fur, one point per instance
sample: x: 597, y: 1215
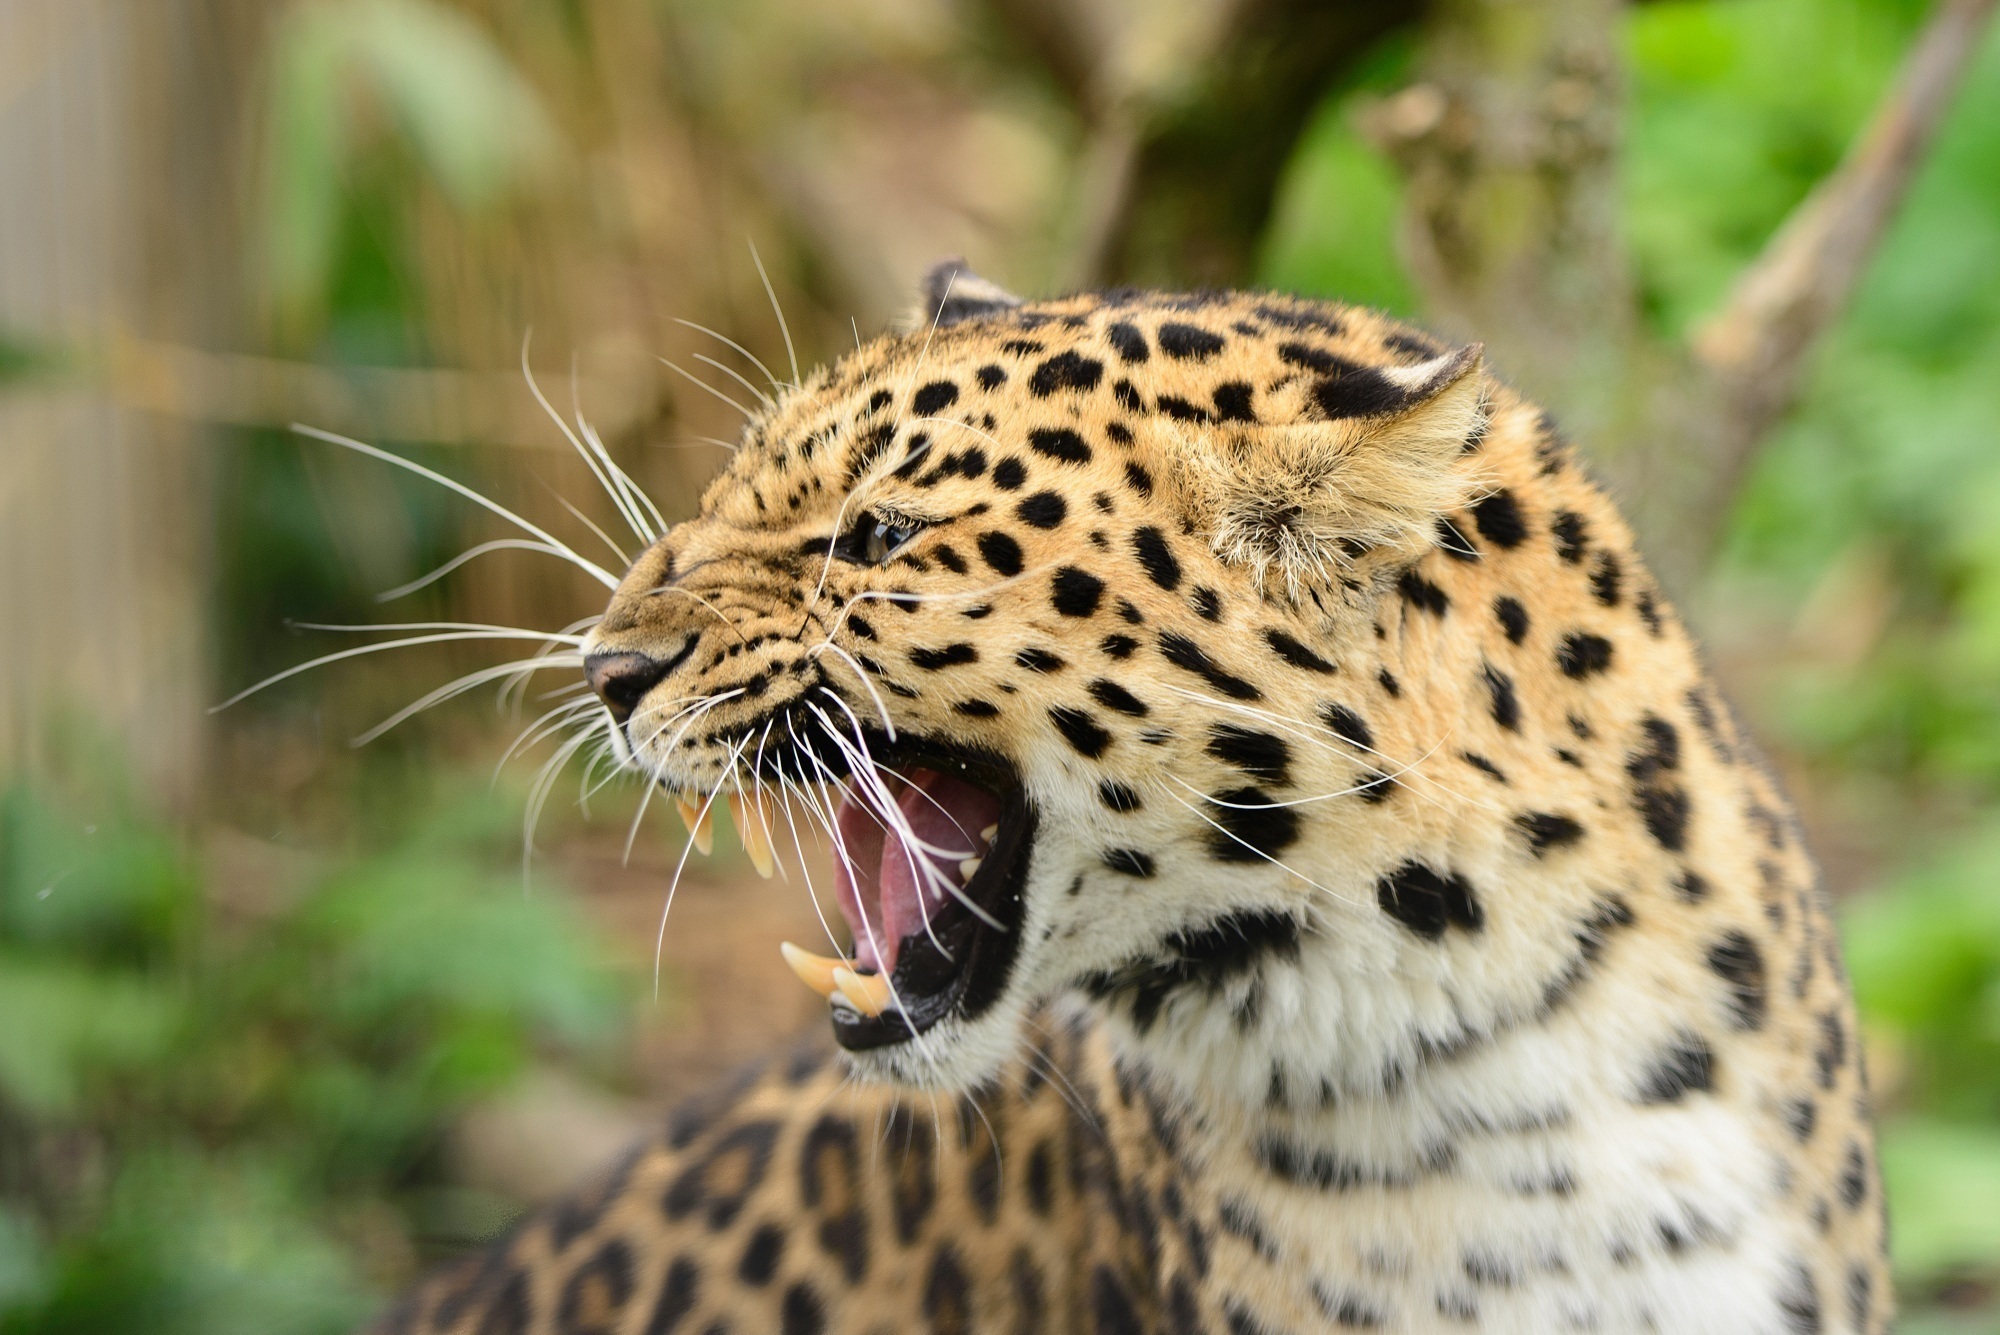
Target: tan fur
x: 1410, y: 941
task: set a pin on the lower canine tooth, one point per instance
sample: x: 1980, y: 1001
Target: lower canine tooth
x: 694, y: 814
x: 815, y: 971
x: 866, y: 992
x: 753, y: 827
x: 968, y: 869
x: 989, y: 834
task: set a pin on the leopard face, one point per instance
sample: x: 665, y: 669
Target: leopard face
x: 1087, y: 591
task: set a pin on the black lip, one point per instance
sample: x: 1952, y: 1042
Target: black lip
x: 970, y: 973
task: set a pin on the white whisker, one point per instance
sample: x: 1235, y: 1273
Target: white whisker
x: 595, y: 571
x: 778, y: 311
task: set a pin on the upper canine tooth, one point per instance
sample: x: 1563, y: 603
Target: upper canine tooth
x: 815, y: 971
x: 753, y: 827
x: 695, y: 815
x: 866, y: 992
x: 968, y: 869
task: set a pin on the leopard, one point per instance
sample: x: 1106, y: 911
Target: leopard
x: 1299, y: 873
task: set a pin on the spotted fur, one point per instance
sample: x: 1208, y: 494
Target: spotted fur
x: 1410, y: 940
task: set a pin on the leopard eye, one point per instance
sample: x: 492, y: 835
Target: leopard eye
x: 874, y: 540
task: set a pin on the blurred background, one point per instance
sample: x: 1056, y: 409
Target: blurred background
x: 284, y: 1019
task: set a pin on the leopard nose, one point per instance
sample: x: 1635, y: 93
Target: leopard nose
x: 621, y: 680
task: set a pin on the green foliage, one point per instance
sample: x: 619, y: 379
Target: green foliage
x: 419, y: 68
x: 221, y: 1104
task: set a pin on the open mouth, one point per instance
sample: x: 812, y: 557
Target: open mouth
x: 929, y: 865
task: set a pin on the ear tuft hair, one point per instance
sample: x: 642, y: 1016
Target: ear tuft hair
x: 1315, y: 504
x: 952, y: 294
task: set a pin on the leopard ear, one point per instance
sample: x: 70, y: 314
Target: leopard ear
x: 1313, y: 504
x: 952, y: 294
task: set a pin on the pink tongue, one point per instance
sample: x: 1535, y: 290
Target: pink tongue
x: 941, y: 811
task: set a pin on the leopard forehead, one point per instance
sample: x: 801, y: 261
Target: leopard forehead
x: 1045, y: 396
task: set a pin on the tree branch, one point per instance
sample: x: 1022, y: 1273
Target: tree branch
x: 1753, y: 350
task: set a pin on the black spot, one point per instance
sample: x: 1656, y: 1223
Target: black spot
x: 1044, y: 509
x: 1241, y: 1321
x: 739, y: 1160
x: 1860, y: 1289
x: 992, y: 377
x: 1207, y: 957
x: 1853, y: 1176
x: 1130, y: 343
x: 976, y: 709
x: 1545, y: 830
x: 1513, y: 618
x: 1059, y: 443
x: 1607, y: 579
x: 803, y: 1313
x: 1039, y: 660
x: 1420, y: 592
x: 1001, y: 552
x: 1121, y: 798
x: 1187, y: 342
x: 1453, y: 543
x: 1426, y: 902
x: 934, y: 398
x: 1207, y: 603
x: 1119, y: 432
x: 1115, y: 697
x: 1648, y: 608
x: 1111, y: 1307
x: 951, y: 655
x: 1077, y: 592
x: 947, y: 1300
x: 1685, y: 1066
x: 677, y: 1297
x: 1128, y: 397
x: 1691, y: 886
x: 1483, y: 765
x: 1081, y: 731
x: 949, y: 558
x: 1571, y: 535
x: 1139, y: 479
x: 1180, y: 409
x: 1289, y: 649
x: 1831, y: 1054
x: 1009, y: 474
x: 1362, y: 392
x: 1253, y: 827
x: 1581, y: 655
x: 761, y: 1254
x: 1185, y: 654
x: 1310, y: 358
x: 1118, y: 646
x: 1800, y: 1303
x: 1661, y: 803
x: 1065, y: 370
x: 1261, y: 755
x: 1157, y: 557
x: 1347, y: 725
x: 912, y: 1147
x: 1505, y: 707
x: 1736, y: 959
x: 1322, y: 1169
x: 1232, y: 402
x: 1346, y: 1310
x: 1388, y: 682
x: 1498, y: 518
x: 598, y: 1288
x: 1130, y: 861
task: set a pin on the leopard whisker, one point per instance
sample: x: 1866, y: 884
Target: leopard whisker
x: 595, y: 571
x: 728, y: 342
x: 777, y: 310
